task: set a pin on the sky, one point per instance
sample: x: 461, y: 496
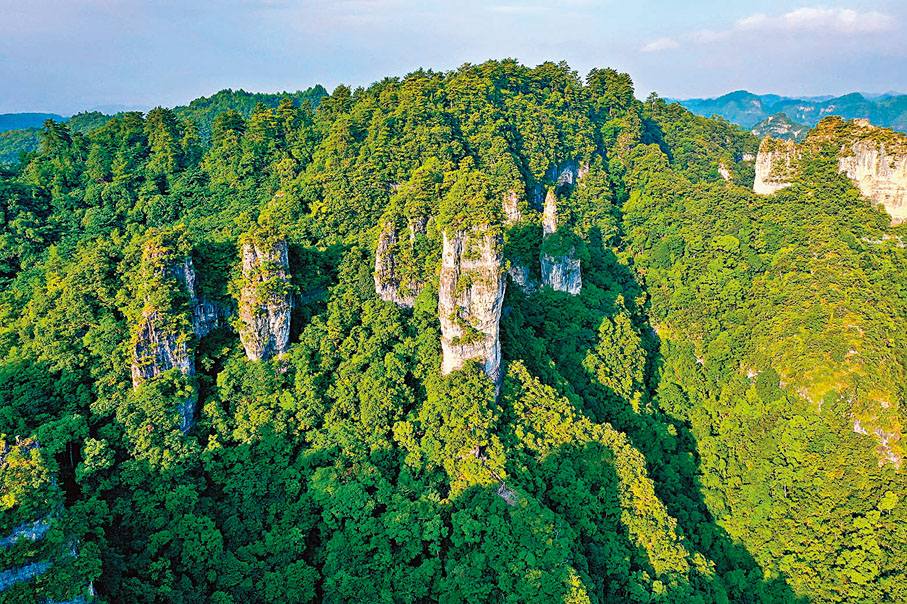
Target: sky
x: 65, y: 56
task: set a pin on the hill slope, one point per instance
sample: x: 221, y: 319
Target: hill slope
x: 499, y: 334
x: 22, y: 133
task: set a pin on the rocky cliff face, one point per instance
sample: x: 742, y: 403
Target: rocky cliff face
x: 560, y: 272
x: 470, y: 298
x: 265, y: 302
x: 159, y: 348
x: 162, y: 339
x: 775, y: 165
x: 522, y: 277
x: 873, y: 158
x: 390, y: 283
x: 208, y: 316
x: 878, y: 169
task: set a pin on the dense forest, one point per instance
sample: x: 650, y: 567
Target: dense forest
x: 680, y: 429
x: 15, y: 138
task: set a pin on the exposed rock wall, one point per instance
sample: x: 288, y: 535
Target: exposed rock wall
x: 775, y: 165
x: 390, y: 285
x: 208, y: 316
x: 511, y: 207
x: 162, y: 340
x: 470, y: 298
x: 873, y: 158
x: 567, y: 173
x: 522, y: 277
x: 159, y: 348
x: 880, y: 173
x: 265, y: 302
x: 561, y: 272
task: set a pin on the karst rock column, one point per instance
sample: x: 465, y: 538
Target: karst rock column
x: 163, y: 339
x: 470, y: 297
x: 265, y: 301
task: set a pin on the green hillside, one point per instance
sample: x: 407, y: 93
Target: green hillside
x: 681, y: 430
x: 24, y: 137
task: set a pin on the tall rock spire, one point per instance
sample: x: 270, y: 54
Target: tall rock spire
x: 470, y: 298
x: 265, y: 300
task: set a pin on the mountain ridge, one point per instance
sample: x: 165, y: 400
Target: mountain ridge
x: 748, y: 109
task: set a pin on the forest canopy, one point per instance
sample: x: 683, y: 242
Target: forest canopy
x: 682, y: 430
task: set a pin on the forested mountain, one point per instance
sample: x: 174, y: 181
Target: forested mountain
x: 500, y: 334
x: 748, y: 109
x: 779, y: 126
x: 27, y: 134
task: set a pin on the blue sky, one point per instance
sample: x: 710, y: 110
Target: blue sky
x: 68, y: 55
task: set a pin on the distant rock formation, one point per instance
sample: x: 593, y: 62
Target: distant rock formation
x: 390, y: 284
x: 265, y: 301
x: 780, y: 126
x: 470, y: 298
x: 162, y: 339
x: 775, y: 165
x: 559, y: 272
x: 873, y: 158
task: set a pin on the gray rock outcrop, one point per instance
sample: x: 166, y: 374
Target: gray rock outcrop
x: 265, y: 302
x: 562, y: 272
x: 522, y: 277
x: 878, y: 169
x: 390, y: 284
x: 162, y: 340
x: 28, y: 552
x: 470, y: 298
x: 567, y: 173
x: 775, y: 165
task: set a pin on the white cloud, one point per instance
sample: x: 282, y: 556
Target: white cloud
x: 841, y: 21
x: 660, y: 44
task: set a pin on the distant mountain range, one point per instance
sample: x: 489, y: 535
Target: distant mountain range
x: 748, y: 109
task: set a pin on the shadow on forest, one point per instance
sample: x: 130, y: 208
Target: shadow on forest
x: 552, y: 332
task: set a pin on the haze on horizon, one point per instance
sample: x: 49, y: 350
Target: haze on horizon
x: 65, y: 56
